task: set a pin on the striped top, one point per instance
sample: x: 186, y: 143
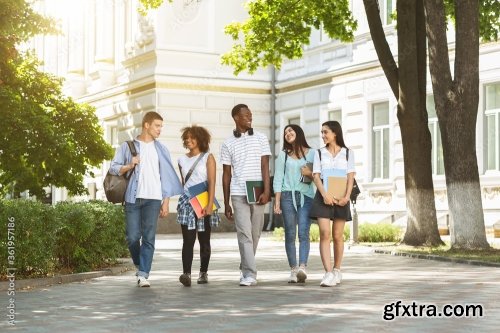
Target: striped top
x: 244, y: 155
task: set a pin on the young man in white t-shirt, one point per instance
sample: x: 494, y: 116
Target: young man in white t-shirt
x: 152, y: 182
x: 245, y: 156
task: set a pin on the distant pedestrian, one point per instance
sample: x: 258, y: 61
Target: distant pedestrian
x: 294, y: 193
x: 335, y: 157
x: 152, y: 183
x: 245, y: 156
x: 196, y: 167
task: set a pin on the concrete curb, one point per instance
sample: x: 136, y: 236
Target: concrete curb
x: 438, y: 258
x: 67, y: 278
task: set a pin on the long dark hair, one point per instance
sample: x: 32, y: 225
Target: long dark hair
x: 335, y: 127
x: 297, y: 147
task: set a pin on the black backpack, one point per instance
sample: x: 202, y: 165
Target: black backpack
x: 355, y: 188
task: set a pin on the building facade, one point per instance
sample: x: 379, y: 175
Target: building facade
x: 126, y: 64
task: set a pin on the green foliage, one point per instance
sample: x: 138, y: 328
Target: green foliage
x: 376, y: 233
x: 489, y: 24
x: 92, y: 233
x: 75, y: 237
x: 147, y: 5
x: 269, y: 34
x: 47, y: 138
x: 30, y: 226
x: 279, y: 233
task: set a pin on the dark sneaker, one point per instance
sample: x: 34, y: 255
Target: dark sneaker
x: 185, y: 279
x: 203, y: 278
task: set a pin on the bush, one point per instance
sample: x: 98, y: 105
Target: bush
x: 375, y: 233
x: 30, y: 227
x: 75, y: 237
x: 91, y: 234
x: 279, y: 233
x: 372, y: 233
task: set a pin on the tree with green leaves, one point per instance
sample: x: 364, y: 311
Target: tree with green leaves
x: 278, y: 29
x: 46, y: 138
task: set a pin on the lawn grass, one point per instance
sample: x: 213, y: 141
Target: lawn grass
x: 490, y: 255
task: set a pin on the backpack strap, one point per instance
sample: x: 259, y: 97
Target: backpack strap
x: 133, y: 151
x: 192, y: 168
x: 131, y: 146
x: 284, y: 169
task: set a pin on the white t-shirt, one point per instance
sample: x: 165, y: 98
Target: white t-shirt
x: 199, y: 174
x: 244, y: 155
x: 149, y: 184
x: 339, y: 162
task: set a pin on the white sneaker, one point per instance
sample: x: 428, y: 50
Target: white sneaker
x: 293, y: 276
x: 328, y: 280
x: 301, y: 275
x: 143, y: 282
x: 248, y: 281
x: 338, y: 275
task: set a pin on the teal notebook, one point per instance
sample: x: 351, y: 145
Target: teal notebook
x: 254, y: 188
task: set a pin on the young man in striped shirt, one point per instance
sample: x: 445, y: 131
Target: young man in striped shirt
x: 245, y: 156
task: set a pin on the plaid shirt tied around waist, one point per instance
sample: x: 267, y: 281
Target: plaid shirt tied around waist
x: 186, y: 215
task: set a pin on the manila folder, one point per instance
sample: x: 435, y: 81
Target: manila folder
x: 337, y: 186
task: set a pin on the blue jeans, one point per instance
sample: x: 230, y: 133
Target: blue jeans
x: 142, y: 217
x: 291, y: 218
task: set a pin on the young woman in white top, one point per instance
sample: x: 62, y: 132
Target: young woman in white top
x: 335, y: 158
x: 197, y: 140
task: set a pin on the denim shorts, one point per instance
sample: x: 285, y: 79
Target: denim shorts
x: 320, y: 210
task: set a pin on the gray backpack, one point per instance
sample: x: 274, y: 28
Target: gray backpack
x: 116, y: 186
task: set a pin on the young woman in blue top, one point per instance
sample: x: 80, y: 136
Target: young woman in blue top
x: 294, y: 197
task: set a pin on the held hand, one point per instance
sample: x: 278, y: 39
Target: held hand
x: 277, y: 208
x: 329, y: 200
x: 343, y: 201
x: 135, y: 160
x: 229, y: 213
x: 208, y: 210
x: 264, y: 198
x: 305, y: 171
x: 164, y: 209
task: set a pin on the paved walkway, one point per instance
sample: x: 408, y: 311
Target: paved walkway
x: 371, y: 281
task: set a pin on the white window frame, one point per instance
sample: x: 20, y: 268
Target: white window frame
x: 384, y: 11
x: 374, y: 131
x: 496, y: 115
x: 330, y: 112
x: 435, y: 133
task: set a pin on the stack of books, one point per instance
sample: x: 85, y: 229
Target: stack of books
x: 199, y: 198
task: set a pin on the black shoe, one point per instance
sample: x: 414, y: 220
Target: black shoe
x: 185, y: 279
x: 203, y: 278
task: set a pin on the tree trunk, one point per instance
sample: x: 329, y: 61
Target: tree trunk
x: 408, y: 85
x: 457, y: 106
x: 412, y: 114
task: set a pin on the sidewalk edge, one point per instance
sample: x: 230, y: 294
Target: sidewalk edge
x: 438, y: 258
x: 67, y: 278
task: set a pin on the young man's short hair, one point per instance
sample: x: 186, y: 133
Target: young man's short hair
x: 237, y: 108
x: 150, y: 117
